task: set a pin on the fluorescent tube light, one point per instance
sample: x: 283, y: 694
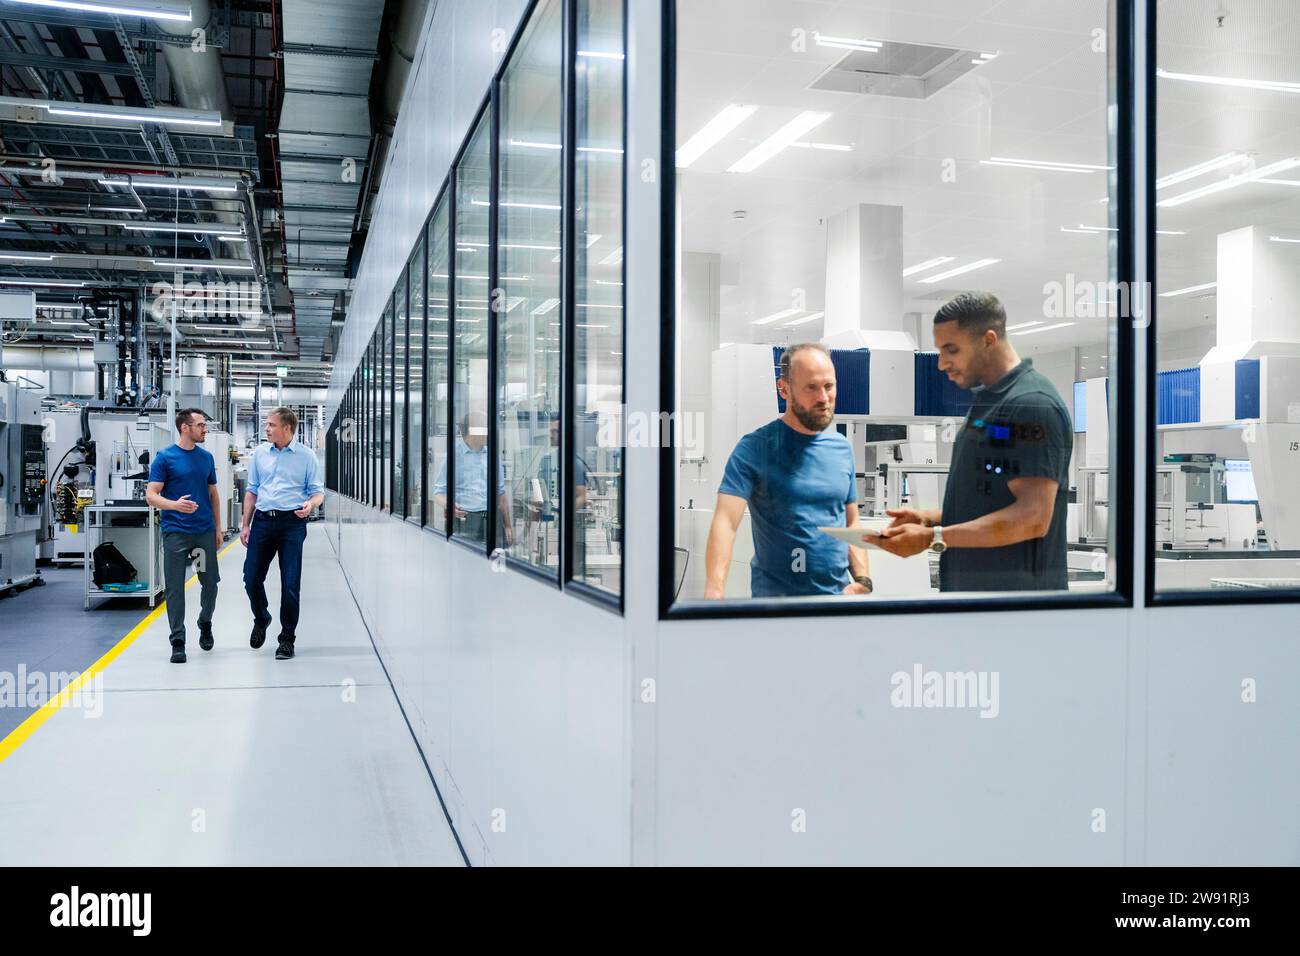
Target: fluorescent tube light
x: 712, y: 133
x: 169, y: 182
x: 613, y: 259
x: 927, y: 264
x: 961, y: 270
x: 198, y: 264
x: 195, y: 228
x: 1281, y: 239
x: 45, y: 283
x: 1274, y: 86
x: 833, y: 147
x: 1191, y: 172
x: 1231, y: 182
x: 153, y: 9
x: 1047, y: 328
x: 26, y: 257
x: 1045, y: 164
x: 848, y: 43
x: 805, y: 320
x: 777, y: 316
x: 1022, y: 325
x: 517, y: 205
x: 1095, y: 229
x: 133, y: 114
x: 1191, y: 288
x: 601, y: 54
x: 546, y: 308
x: 787, y: 134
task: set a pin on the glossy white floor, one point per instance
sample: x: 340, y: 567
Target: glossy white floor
x: 234, y: 757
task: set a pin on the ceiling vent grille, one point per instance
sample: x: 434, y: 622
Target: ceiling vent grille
x: 910, y: 70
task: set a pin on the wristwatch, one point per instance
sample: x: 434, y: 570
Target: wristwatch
x: 865, y: 582
x: 936, y: 544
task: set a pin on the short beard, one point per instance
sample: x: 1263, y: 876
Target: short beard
x: 810, y: 419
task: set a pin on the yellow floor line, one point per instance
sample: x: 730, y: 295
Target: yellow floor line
x: 47, y: 710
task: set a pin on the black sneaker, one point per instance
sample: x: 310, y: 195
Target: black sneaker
x: 178, y: 653
x: 284, y: 651
x: 258, y: 637
x: 205, y: 635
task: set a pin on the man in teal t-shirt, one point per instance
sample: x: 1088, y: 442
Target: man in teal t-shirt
x: 795, y: 474
x: 183, y: 486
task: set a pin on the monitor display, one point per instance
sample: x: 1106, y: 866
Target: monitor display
x: 1239, y: 481
x: 1080, y: 407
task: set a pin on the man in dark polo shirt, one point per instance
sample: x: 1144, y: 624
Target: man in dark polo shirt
x: 183, y: 486
x: 1002, y: 524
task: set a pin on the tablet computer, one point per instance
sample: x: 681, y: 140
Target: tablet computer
x: 854, y: 535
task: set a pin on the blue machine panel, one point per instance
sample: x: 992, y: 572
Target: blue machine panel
x: 1080, y: 407
x: 1247, y: 388
x: 935, y: 393
x: 852, y: 380
x: 1178, y: 396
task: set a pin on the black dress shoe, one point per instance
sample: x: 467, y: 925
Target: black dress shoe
x: 205, y: 635
x: 258, y: 637
x: 284, y: 651
x: 178, y: 653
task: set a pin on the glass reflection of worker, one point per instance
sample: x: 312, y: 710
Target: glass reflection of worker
x: 1002, y: 524
x: 795, y: 475
x: 548, y: 474
x: 469, y: 515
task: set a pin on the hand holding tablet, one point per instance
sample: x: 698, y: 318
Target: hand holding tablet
x: 854, y: 535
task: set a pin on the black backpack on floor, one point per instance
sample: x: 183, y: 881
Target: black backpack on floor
x: 111, y: 566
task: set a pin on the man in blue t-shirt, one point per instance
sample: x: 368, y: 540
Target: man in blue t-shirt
x: 795, y: 476
x: 183, y: 486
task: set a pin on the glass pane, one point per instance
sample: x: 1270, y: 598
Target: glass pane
x: 1227, y: 466
x: 373, y: 420
x: 436, y: 377
x: 598, y: 292
x: 399, y: 396
x: 528, y: 315
x: 415, y: 384
x: 469, y: 459
x: 386, y: 411
x: 926, y: 209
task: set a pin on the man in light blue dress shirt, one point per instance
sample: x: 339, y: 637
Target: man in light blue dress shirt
x: 284, y: 488
x: 471, y: 463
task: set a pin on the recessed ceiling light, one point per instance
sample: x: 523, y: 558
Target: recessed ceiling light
x: 712, y: 133
x: 1210, y: 165
x: 1274, y: 86
x: 787, y: 134
x: 961, y: 270
x: 1231, y: 182
x: 1191, y: 288
x: 1047, y: 328
x: 848, y: 43
x: 927, y: 264
x: 1045, y: 164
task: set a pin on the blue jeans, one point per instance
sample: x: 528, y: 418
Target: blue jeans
x: 281, y: 534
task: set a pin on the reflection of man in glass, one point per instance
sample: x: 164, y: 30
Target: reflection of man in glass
x: 796, y: 476
x: 469, y: 515
x: 1002, y: 524
x: 549, y: 476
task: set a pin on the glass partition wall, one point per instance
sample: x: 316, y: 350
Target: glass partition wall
x: 466, y: 469
x: 598, y: 295
x: 1226, y: 438
x: 490, y: 400
x: 527, y: 298
x: 898, y: 252
x: 437, y: 398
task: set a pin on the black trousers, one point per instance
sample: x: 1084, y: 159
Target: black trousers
x: 280, y: 533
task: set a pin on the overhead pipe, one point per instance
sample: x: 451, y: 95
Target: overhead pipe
x: 38, y: 358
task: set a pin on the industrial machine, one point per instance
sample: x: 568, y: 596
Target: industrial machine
x: 22, y: 486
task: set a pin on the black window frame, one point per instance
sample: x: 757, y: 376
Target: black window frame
x: 568, y: 347
x: 446, y: 193
x: 1170, y: 597
x: 1122, y: 96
